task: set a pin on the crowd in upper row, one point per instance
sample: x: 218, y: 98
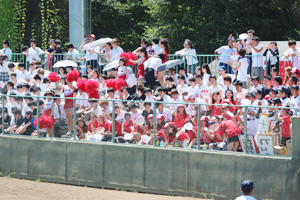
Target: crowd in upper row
x: 176, y: 121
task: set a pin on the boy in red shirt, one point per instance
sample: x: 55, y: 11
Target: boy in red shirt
x: 285, y: 126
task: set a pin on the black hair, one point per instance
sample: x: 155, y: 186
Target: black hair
x: 212, y: 76
x: 33, y: 40
x: 255, y: 78
x: 19, y: 86
x: 103, y: 76
x: 148, y: 90
x: 255, y: 38
x: 238, y: 82
x: 123, y: 60
x: 155, y: 40
x: 161, y: 89
x: 145, y: 41
x: 242, y: 52
x: 16, y: 111
x: 24, y: 48
x: 5, y: 42
x: 181, y: 77
x: 169, y: 78
x: 228, y: 78
x: 192, y: 79
x: 124, y: 88
x: 146, y: 103
x: 65, y: 71
x: 275, y: 43
x: 199, y: 76
x: 278, y: 79
x: 70, y: 45
x: 110, y: 90
x: 161, y: 56
x: 144, y: 50
x: 13, y: 74
x: 251, y: 31
x: 267, y: 77
x: 165, y: 43
x: 10, y: 83
x: 294, y: 79
x: 37, y: 77
x: 231, y: 93
x: 291, y: 42
x: 21, y: 65
x: 205, y: 65
x: 274, y: 69
x: 11, y: 65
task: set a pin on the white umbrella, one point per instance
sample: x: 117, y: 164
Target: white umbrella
x: 140, y: 120
x: 100, y: 42
x: 243, y: 36
x: 111, y: 65
x: 64, y: 63
x: 214, y: 127
x: 172, y: 63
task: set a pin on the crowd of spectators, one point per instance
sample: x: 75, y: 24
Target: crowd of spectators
x: 176, y: 91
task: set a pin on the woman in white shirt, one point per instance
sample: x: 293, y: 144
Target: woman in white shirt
x: 116, y: 49
x: 189, y: 53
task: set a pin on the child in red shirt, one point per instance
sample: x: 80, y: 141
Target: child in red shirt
x: 285, y: 126
x: 180, y: 116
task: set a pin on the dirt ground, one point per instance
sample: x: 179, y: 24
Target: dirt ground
x: 17, y: 189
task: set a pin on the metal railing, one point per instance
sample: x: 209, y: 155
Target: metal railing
x: 245, y: 136
x: 211, y: 60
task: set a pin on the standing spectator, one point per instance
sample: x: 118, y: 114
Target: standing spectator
x: 247, y: 190
x: 293, y: 52
x: 4, y: 77
x: 225, y: 52
x: 142, y: 52
x: 155, y: 47
x: 242, y: 68
x: 54, y: 49
x: 31, y: 55
x: 91, y: 56
x: 189, y: 53
x: 35, y: 50
x: 257, y: 58
x: 272, y: 54
x: 72, y: 54
x: 6, y: 50
x: 116, y: 49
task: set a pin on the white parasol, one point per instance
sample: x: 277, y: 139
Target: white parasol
x: 111, y: 65
x: 100, y: 42
x: 64, y: 63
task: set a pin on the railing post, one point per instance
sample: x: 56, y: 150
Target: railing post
x: 154, y: 125
x: 2, y: 112
x: 198, y: 127
x: 245, y: 129
x: 38, y: 116
x: 113, y: 122
x: 74, y: 118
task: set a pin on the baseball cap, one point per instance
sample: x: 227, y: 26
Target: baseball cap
x: 276, y: 100
x: 204, y: 118
x: 180, y: 105
x: 296, y: 87
x: 247, y: 186
x: 92, y: 36
x: 250, y: 95
x: 295, y: 70
x: 232, y: 39
x: 150, y: 116
x: 282, y: 89
x: 222, y: 68
x: 160, y: 116
x: 52, y: 41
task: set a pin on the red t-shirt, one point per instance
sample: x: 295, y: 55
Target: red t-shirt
x: 126, y: 126
x: 216, y: 110
x: 192, y: 135
x: 105, y: 125
x: 118, y: 128
x: 286, y: 131
x: 96, y: 125
x: 218, y: 132
x: 183, y: 136
x: 139, y: 130
x: 179, y: 120
x: 230, y: 128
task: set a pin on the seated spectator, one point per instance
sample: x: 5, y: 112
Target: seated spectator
x: 81, y: 128
x: 17, y: 121
x: 170, y: 85
x: 180, y: 116
x: 28, y: 127
x: 175, y: 99
x: 213, y: 85
x: 255, y: 84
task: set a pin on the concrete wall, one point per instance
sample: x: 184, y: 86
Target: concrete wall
x: 154, y: 170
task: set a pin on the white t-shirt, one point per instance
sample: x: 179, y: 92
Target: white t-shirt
x: 242, y: 72
x: 190, y: 56
x: 295, y: 59
x: 225, y: 88
x: 258, y: 87
x: 135, y: 115
x: 97, y: 111
x: 89, y: 56
x: 166, y: 113
x: 213, y: 89
x: 220, y: 81
x: 4, y: 66
x: 206, y: 78
x: 201, y: 89
x: 225, y: 52
x: 116, y: 53
x: 7, y: 52
x: 257, y: 57
x: 245, y: 197
x: 156, y: 48
x: 121, y: 117
x: 74, y: 54
x: 183, y: 89
x: 174, y: 107
x: 33, y: 54
x: 295, y: 101
x: 24, y: 75
x: 85, y: 103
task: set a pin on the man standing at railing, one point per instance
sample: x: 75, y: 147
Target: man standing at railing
x: 225, y: 52
x: 54, y: 49
x: 91, y: 57
x: 257, y: 57
x: 293, y: 52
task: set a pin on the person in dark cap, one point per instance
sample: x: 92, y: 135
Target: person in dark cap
x: 54, y: 49
x: 273, y: 93
x: 283, y: 96
x: 247, y: 187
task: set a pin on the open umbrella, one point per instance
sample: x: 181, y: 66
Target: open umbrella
x: 172, y: 63
x: 64, y: 63
x: 111, y: 65
x: 100, y: 42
